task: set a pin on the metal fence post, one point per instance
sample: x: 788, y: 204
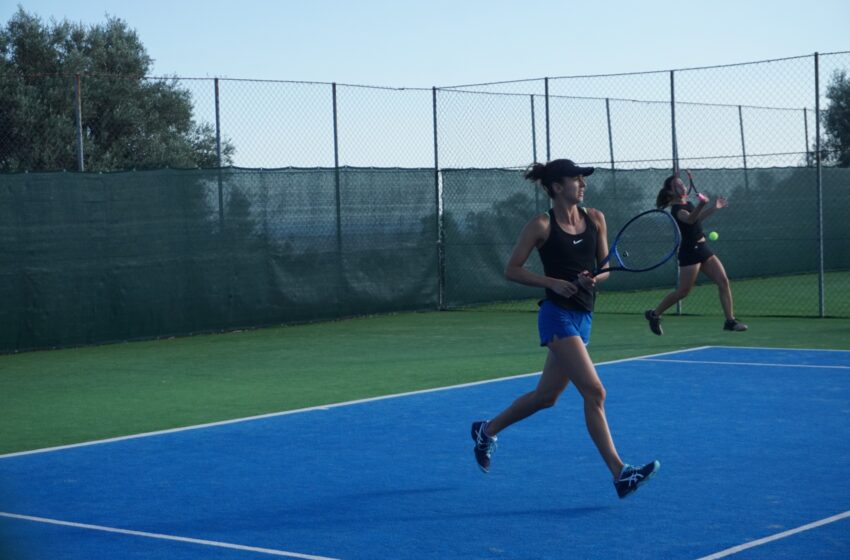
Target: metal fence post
x: 675, y: 155
x: 610, y: 143
x: 336, y: 176
x: 438, y: 196
x: 548, y: 131
x: 809, y: 161
x: 533, y: 132
x: 821, y: 295
x: 673, y: 122
x: 610, y: 135
x: 217, y: 125
x: 78, y: 115
x: 218, y: 154
x: 743, y: 148
x: 534, y: 152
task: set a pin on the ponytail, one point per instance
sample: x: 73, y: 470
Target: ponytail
x: 667, y: 193
x: 536, y: 173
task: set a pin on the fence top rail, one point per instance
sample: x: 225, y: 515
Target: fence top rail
x: 448, y: 87
x: 626, y: 100
x: 209, y: 79
x: 619, y: 74
x: 452, y: 89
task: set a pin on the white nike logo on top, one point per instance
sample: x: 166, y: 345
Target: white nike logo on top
x: 577, y: 241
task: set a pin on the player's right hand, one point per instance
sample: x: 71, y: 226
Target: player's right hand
x: 562, y: 287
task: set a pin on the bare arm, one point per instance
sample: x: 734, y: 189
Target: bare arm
x: 719, y: 203
x: 692, y: 217
x: 601, y: 248
x: 534, y: 234
x: 702, y: 211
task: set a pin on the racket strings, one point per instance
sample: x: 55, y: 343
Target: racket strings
x: 647, y: 241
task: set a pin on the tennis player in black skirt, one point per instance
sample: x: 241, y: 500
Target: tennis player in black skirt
x: 694, y: 253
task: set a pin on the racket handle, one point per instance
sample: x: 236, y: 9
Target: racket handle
x: 702, y: 197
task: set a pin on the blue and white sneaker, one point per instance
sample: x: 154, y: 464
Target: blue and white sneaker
x: 631, y: 478
x: 484, y: 445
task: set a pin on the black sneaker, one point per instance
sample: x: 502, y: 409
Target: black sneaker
x: 484, y: 445
x: 654, y: 322
x: 631, y: 478
x: 734, y: 325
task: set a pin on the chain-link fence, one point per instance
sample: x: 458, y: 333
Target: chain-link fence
x: 356, y: 199
x: 740, y: 116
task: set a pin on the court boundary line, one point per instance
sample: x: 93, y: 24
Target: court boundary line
x: 775, y: 537
x: 160, y: 536
x: 282, y: 553
x: 779, y: 348
x: 758, y: 364
x: 314, y: 408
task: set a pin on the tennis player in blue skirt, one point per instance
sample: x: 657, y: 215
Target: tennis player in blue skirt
x: 570, y: 240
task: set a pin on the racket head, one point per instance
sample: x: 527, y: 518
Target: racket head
x: 646, y: 242
x: 691, y: 187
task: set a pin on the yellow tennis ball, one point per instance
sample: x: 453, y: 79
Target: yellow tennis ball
x: 713, y: 236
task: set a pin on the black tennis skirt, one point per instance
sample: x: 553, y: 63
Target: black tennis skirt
x: 694, y: 253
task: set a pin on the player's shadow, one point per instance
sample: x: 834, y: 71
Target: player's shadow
x: 389, y: 499
x: 367, y: 508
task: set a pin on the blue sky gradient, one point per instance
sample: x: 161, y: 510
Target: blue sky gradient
x: 446, y: 42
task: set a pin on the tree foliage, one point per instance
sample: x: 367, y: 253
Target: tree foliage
x: 128, y: 121
x: 837, y: 120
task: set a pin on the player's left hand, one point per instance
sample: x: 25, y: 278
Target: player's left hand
x: 720, y: 202
x: 586, y: 279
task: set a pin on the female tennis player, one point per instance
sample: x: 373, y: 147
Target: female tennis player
x: 694, y: 254
x: 570, y: 240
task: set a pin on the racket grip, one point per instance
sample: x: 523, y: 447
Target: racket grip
x: 702, y: 197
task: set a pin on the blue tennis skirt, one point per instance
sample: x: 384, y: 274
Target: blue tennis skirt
x: 554, y: 321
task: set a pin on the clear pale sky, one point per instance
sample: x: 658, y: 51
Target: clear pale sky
x: 447, y: 42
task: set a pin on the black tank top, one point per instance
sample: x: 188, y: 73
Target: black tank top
x: 565, y: 255
x: 691, y: 233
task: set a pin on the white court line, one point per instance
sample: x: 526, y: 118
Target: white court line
x: 781, y: 348
x: 158, y: 536
x: 274, y: 552
x: 776, y: 537
x: 740, y: 363
x: 314, y: 408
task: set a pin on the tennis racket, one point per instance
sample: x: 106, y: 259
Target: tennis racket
x: 647, y: 241
x: 692, y: 188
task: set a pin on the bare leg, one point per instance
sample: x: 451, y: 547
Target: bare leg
x: 552, y: 383
x: 567, y: 361
x: 571, y: 354
x: 687, y: 279
x: 713, y: 268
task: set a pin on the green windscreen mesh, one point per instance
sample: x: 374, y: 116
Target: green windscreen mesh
x: 103, y: 257
x: 768, y: 238
x: 88, y: 258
